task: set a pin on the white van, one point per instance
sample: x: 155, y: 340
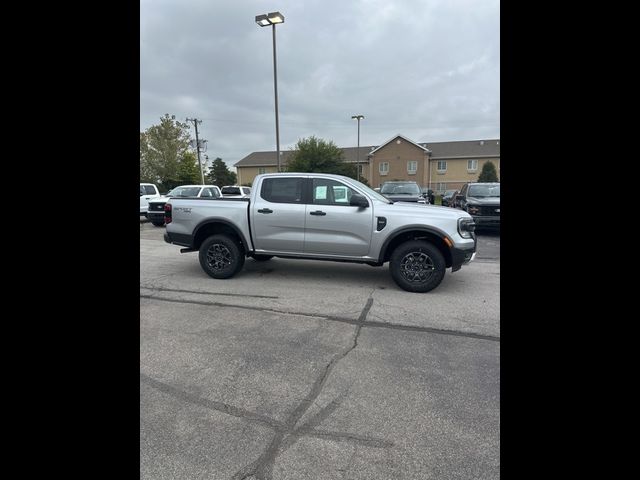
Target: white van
x: 148, y: 191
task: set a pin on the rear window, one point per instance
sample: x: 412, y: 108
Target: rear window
x: 230, y: 191
x: 282, y: 190
x: 149, y: 190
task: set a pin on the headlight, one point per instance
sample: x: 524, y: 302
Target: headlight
x: 466, y: 227
x: 473, y: 209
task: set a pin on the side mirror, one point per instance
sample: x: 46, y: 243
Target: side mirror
x: 358, y: 200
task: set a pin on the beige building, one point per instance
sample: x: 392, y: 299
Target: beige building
x: 439, y: 165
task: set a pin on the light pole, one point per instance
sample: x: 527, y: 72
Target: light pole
x: 358, y: 117
x: 273, y: 19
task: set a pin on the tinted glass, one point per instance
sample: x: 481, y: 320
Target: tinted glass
x: 282, y: 190
x: 230, y: 191
x: 330, y: 192
x: 149, y: 190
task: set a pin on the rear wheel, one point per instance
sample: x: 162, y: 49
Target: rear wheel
x: 158, y: 223
x: 417, y: 266
x: 221, y: 257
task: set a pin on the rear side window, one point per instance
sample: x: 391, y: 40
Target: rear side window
x: 282, y: 190
x: 149, y: 190
x: 230, y: 191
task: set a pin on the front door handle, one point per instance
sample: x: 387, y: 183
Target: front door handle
x: 317, y: 212
x: 265, y: 210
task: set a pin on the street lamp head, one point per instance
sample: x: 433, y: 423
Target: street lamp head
x: 276, y: 17
x: 262, y: 20
x: 269, y: 19
x: 357, y: 117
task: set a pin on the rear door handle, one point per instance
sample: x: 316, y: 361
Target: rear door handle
x: 265, y: 210
x: 317, y: 212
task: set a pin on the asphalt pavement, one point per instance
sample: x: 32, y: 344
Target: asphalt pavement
x: 299, y: 369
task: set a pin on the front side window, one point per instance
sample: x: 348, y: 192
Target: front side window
x: 472, y: 165
x: 330, y: 192
x: 412, y: 167
x: 384, y: 168
x: 442, y: 165
x: 246, y: 190
x: 282, y: 190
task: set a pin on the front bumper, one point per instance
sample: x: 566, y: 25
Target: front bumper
x: 462, y: 256
x: 487, y: 220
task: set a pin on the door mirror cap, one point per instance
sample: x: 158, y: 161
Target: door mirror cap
x: 358, y: 200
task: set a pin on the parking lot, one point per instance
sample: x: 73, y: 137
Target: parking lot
x: 300, y: 369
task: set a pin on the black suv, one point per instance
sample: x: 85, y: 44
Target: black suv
x: 482, y: 202
x: 402, y: 191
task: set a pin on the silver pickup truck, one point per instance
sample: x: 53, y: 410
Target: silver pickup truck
x: 323, y: 217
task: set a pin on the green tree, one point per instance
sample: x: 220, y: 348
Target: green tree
x: 220, y: 175
x: 188, y: 170
x: 162, y: 147
x: 314, y: 155
x: 488, y: 173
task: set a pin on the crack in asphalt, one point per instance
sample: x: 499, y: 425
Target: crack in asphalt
x: 367, y: 323
x: 163, y: 289
x: 286, y: 433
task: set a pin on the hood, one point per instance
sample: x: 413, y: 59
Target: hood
x: 484, y: 200
x: 403, y: 198
x: 414, y: 209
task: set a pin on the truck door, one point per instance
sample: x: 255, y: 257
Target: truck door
x: 278, y: 215
x: 333, y: 227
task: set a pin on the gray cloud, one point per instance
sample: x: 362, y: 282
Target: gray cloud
x: 427, y: 69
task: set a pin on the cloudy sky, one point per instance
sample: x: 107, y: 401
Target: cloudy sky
x: 427, y: 69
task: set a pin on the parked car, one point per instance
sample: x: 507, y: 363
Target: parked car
x: 402, y: 191
x: 325, y: 217
x: 236, y: 191
x: 156, y: 207
x: 429, y: 195
x: 448, y: 199
x: 482, y: 202
x: 148, y: 191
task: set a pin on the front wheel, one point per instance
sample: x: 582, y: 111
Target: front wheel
x: 220, y: 256
x: 417, y: 266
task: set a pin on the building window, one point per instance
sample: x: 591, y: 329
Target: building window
x: 472, y: 165
x: 384, y: 168
x: 441, y: 186
x: 442, y: 166
x: 412, y: 167
x: 262, y: 170
x: 361, y: 170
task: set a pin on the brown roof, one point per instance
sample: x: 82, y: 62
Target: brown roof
x: 266, y: 159
x: 462, y: 149
x: 466, y: 148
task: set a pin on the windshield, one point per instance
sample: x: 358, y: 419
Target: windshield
x: 185, y: 192
x: 370, y: 191
x: 484, y: 191
x: 400, y: 189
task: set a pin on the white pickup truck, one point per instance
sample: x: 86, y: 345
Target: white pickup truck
x: 323, y: 217
x: 148, y: 191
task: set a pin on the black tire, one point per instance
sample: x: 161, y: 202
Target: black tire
x: 417, y: 266
x: 221, y: 257
x: 262, y: 258
x: 157, y: 223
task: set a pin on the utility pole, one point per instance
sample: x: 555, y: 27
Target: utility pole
x: 358, y: 117
x: 195, y: 123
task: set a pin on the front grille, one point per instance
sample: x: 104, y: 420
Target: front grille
x: 490, y: 210
x: 156, y: 207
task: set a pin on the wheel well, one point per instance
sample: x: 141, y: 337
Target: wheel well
x: 214, y: 229
x: 420, y: 235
